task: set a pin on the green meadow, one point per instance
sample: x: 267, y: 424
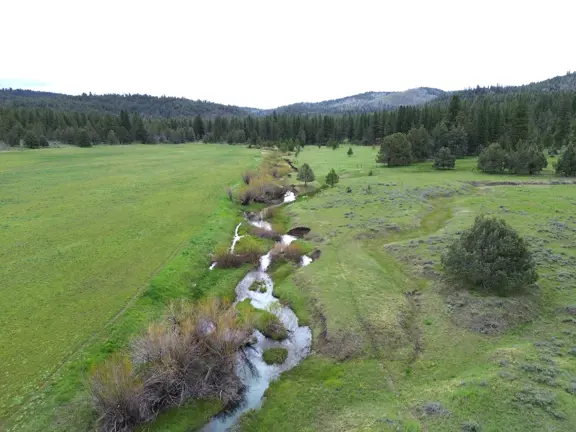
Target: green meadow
x: 89, y: 244
x: 95, y: 242
x: 396, y: 347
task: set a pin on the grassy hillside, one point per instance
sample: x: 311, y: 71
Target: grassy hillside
x: 82, y: 232
x: 395, y: 346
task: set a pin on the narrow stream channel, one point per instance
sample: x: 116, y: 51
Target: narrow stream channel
x: 258, y: 376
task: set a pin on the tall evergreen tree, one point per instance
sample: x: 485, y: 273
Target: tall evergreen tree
x: 520, y: 126
x: 83, y: 139
x: 454, y: 110
x: 421, y: 143
x: 198, y: 127
x: 332, y: 178
x: 306, y: 174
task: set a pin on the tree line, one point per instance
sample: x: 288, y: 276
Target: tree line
x: 465, y: 124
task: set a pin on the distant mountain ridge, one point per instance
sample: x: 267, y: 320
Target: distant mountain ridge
x: 166, y: 107
x: 364, y: 102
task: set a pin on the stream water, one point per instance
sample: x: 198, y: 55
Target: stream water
x: 254, y: 372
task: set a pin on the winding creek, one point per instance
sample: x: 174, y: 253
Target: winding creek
x: 252, y: 369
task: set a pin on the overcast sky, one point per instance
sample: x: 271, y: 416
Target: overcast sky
x: 270, y: 53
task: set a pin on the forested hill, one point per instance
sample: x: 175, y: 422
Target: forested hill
x: 145, y: 105
x: 365, y: 102
x: 561, y: 83
x: 151, y: 106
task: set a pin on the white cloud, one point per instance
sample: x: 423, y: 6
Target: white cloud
x: 270, y: 53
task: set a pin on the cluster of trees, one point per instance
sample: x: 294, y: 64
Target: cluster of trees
x: 84, y: 130
x: 524, y: 158
x: 464, y: 124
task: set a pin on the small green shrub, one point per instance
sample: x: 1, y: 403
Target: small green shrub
x: 492, y: 159
x: 270, y: 326
x: 444, y: 159
x: 275, y: 355
x: 491, y: 255
x: 265, y: 322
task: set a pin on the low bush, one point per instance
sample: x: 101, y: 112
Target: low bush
x: 292, y: 252
x: 265, y: 234
x: 265, y: 322
x: 227, y: 259
x: 270, y: 326
x: 275, y: 355
x: 491, y: 255
x: 263, y: 189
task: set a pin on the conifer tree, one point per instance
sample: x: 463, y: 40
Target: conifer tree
x: 306, y: 174
x: 31, y: 140
x: 111, y: 137
x: 421, y: 143
x: 83, y: 139
x: 43, y: 141
x: 332, y: 178
x: 566, y: 165
x: 492, y: 159
x: 444, y: 159
x: 350, y: 152
x: 395, y: 150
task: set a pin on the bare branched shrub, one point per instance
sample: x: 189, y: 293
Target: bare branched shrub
x: 247, y: 176
x: 117, y: 395
x: 230, y: 194
x: 191, y: 354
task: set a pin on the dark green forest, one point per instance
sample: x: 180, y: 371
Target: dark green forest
x: 541, y: 114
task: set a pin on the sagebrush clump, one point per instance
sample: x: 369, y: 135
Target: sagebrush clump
x: 491, y: 256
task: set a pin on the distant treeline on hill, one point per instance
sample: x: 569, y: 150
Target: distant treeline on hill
x: 464, y: 123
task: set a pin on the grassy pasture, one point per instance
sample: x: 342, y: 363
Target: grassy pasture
x: 82, y: 232
x: 438, y: 360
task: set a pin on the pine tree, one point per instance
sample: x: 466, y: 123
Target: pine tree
x: 527, y: 159
x: 332, y: 178
x: 350, y: 152
x: 306, y: 174
x: 395, y: 150
x: 444, y: 159
x: 31, y: 140
x: 491, y: 256
x: 198, y: 127
x: 520, y: 126
x: 454, y: 110
x: 563, y: 124
x: 566, y: 165
x: 43, y: 141
x: 421, y: 143
x: 125, y: 121
x: 111, y: 137
x: 457, y: 141
x: 83, y: 139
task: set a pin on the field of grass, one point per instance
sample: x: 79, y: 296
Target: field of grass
x: 82, y: 232
x: 396, y: 347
